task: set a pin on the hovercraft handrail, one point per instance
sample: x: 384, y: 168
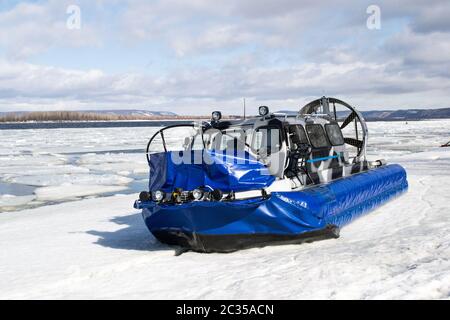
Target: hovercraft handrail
x: 161, y: 133
x: 204, y: 126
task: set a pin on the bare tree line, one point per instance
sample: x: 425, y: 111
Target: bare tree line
x: 84, y: 116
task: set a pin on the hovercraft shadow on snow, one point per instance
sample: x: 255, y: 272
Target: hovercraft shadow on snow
x: 272, y: 179
x: 134, y: 236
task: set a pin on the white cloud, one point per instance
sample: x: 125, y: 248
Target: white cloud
x: 23, y: 84
x: 30, y: 28
x: 272, y: 52
x: 424, y: 16
x: 421, y: 48
x: 197, y: 27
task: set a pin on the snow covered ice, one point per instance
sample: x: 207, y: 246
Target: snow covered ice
x: 68, y: 230
x: 63, y: 164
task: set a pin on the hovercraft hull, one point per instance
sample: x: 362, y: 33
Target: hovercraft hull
x: 312, y: 214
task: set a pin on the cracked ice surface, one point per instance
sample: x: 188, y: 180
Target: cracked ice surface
x: 100, y: 248
x: 58, y: 165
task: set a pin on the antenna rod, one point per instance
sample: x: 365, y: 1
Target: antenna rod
x: 245, y: 114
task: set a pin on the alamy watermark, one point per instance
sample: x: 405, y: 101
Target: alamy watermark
x: 221, y: 148
x: 74, y: 17
x: 229, y: 148
x: 374, y: 19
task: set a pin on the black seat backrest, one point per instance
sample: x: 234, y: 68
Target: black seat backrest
x: 297, y: 135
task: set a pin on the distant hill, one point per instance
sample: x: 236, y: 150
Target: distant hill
x: 400, y: 115
x: 138, y: 113
x: 124, y: 112
x: 114, y: 115
x: 88, y: 115
x: 405, y: 115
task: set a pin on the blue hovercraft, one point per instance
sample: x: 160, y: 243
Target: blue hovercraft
x: 280, y: 178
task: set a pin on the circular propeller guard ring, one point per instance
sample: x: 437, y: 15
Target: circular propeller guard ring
x: 354, y: 116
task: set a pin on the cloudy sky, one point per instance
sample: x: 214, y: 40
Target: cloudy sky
x: 195, y: 56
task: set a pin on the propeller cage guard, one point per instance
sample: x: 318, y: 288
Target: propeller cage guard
x: 328, y: 107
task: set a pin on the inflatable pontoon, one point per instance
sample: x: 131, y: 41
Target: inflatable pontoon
x: 226, y: 185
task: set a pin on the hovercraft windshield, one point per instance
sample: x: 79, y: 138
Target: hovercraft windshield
x: 208, y: 159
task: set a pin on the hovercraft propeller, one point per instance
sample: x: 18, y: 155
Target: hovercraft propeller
x: 356, y: 138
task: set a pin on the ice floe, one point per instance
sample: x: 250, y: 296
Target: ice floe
x: 100, y: 248
x: 76, y: 179
x: 69, y: 191
x: 9, y: 202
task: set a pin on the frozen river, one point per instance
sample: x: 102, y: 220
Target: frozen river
x: 42, y: 166
x: 68, y: 229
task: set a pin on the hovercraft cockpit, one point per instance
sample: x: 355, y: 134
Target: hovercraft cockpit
x: 225, y: 185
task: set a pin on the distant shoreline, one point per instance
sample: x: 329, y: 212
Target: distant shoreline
x: 190, y: 120
x: 87, y: 124
x: 98, y: 121
x: 156, y: 117
x: 77, y: 116
x: 122, y: 124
